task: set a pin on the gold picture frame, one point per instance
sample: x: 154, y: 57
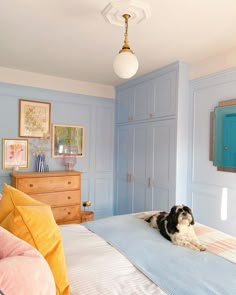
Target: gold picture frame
x: 67, y: 140
x: 34, y: 118
x: 14, y: 153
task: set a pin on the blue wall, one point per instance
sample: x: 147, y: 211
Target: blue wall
x: 211, y: 193
x: 94, y: 113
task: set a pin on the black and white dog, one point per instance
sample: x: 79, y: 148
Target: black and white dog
x: 177, y: 227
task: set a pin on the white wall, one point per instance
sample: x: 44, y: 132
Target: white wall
x: 213, y: 64
x: 205, y: 184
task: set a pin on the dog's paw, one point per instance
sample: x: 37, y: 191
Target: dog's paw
x: 202, y: 247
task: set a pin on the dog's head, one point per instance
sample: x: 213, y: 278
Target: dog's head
x: 180, y: 215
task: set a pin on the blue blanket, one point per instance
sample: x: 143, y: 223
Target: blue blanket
x: 175, y: 269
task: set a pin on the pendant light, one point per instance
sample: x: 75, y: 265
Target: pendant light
x: 119, y: 13
x: 126, y: 63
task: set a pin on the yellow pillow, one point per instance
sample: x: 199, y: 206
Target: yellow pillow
x: 35, y: 224
x: 12, y: 197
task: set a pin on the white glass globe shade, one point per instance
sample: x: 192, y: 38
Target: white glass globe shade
x: 125, y: 65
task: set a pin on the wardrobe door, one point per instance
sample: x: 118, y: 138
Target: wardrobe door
x: 143, y: 95
x: 125, y: 105
x: 165, y: 93
x: 123, y: 201
x: 161, y: 163
x: 139, y: 167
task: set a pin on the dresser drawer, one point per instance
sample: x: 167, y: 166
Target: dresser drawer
x: 50, y: 184
x: 64, y: 214
x: 66, y: 198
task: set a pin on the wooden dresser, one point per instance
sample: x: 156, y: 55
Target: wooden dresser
x: 59, y: 189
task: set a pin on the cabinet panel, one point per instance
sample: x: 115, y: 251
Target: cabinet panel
x: 123, y: 202
x: 104, y: 139
x: 161, y: 163
x: 160, y: 157
x: 143, y: 95
x: 160, y: 199
x: 125, y: 102
x: 138, y: 163
x: 165, y: 93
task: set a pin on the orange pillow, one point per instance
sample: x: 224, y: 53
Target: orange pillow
x: 34, y: 223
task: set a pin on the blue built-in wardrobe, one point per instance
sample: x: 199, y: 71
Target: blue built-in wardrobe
x: 152, y: 141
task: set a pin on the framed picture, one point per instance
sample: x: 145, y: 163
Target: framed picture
x: 67, y: 140
x: 15, y: 153
x: 34, y: 118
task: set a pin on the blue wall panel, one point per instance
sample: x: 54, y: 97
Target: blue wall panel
x: 96, y: 114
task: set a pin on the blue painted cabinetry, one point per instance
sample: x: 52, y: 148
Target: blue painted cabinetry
x: 154, y: 98
x: 145, y: 159
x: 147, y: 141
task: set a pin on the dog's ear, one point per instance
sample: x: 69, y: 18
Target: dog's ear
x: 193, y: 221
x: 186, y: 208
x: 172, y: 220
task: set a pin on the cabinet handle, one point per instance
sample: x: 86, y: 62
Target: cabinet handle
x: 31, y: 185
x: 150, y: 116
x: 69, y: 182
x: 69, y: 197
x: 129, y: 178
x: 149, y: 182
x: 68, y: 213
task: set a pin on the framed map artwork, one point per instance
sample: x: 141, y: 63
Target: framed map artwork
x: 34, y: 118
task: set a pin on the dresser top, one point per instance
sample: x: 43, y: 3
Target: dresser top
x: 45, y: 174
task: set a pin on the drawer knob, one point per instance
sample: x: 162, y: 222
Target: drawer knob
x: 69, y: 197
x: 69, y: 182
x: 68, y: 213
x: 31, y: 185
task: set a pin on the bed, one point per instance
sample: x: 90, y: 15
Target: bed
x: 124, y: 255
x: 117, y: 255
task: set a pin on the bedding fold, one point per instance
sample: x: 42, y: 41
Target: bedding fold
x: 177, y: 270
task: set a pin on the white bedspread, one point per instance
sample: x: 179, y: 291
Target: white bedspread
x: 96, y: 268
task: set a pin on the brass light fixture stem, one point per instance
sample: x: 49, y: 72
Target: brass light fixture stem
x: 126, y: 47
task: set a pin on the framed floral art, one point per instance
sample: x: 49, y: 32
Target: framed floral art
x: 15, y: 153
x: 34, y: 118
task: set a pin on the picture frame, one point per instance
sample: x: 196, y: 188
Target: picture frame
x: 67, y: 140
x: 15, y: 153
x: 34, y: 118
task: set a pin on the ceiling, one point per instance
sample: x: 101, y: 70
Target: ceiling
x: 71, y: 39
